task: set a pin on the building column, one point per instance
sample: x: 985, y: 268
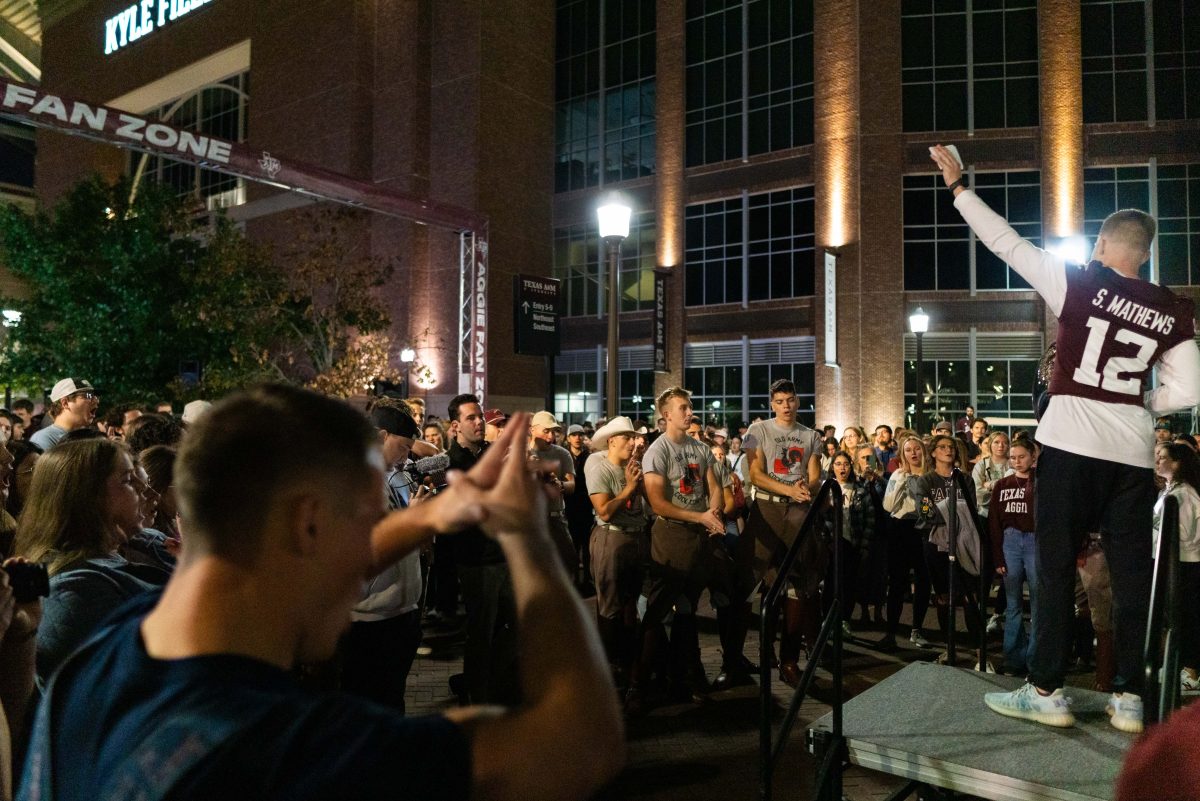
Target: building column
x: 492, y: 149
x: 836, y: 175
x: 1060, y: 44
x: 881, y: 190
x: 670, y: 98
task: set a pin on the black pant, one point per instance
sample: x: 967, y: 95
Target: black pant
x: 1077, y: 495
x: 1189, y: 641
x: 377, y: 656
x: 904, y: 554
x: 490, y: 653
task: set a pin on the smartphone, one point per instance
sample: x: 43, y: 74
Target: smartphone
x: 873, y: 462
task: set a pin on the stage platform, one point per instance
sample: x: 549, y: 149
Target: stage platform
x: 928, y: 723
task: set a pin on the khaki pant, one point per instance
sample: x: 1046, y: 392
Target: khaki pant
x: 684, y: 560
x: 770, y: 531
x: 619, y: 568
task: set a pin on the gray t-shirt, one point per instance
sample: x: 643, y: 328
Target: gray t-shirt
x: 561, y: 462
x: 786, y: 451
x: 685, y: 469
x: 604, y: 477
x: 724, y: 473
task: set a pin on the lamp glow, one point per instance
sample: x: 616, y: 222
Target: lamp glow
x: 614, y: 220
x: 918, y: 321
x: 1073, y: 249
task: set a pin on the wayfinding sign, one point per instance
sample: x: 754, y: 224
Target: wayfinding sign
x: 535, y: 315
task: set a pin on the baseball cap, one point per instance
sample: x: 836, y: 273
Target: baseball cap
x: 721, y: 432
x: 1162, y: 425
x: 545, y: 420
x: 943, y: 425
x: 617, y: 425
x: 193, y: 410
x: 494, y: 416
x: 69, y: 386
x: 575, y: 429
x: 394, y: 421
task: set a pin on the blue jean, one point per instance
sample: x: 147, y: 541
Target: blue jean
x: 1020, y: 558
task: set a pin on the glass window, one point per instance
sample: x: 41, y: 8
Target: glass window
x: 220, y: 109
x: 1179, y: 224
x: 779, y: 241
x: 776, y: 63
x: 578, y: 396
x: 716, y: 393
x: 1004, y: 390
x: 936, y: 64
x: 939, y: 246
x: 637, y: 396
x: 1106, y: 189
x: 1176, y: 59
x: 802, y: 374
x: 588, y: 152
x: 577, y: 256
x: 1114, y: 60
x: 1016, y: 196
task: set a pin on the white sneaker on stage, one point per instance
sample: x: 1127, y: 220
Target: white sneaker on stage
x: 1027, y: 703
x: 1125, y: 712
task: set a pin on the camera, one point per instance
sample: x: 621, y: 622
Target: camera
x: 429, y: 472
x: 28, y: 582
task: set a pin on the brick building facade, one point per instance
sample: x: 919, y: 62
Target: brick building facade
x: 752, y: 137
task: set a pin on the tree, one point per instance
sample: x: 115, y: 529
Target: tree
x: 336, y: 318
x: 123, y: 292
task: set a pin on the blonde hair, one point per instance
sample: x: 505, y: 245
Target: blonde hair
x: 670, y: 392
x: 924, y: 453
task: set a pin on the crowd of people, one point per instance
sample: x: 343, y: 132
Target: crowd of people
x: 636, y: 521
x: 229, y: 603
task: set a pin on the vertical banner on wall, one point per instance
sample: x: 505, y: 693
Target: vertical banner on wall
x: 831, y: 355
x: 479, y: 283
x: 658, y: 323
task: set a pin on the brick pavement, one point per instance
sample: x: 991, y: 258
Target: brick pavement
x: 703, y: 752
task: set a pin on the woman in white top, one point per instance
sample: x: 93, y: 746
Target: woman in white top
x: 992, y: 467
x: 905, y: 547
x: 1178, y: 465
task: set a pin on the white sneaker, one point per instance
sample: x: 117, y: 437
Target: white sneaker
x: 995, y: 623
x: 1027, y: 703
x: 918, y: 640
x: 846, y: 630
x: 1187, y: 682
x: 1125, y: 712
x: 990, y: 667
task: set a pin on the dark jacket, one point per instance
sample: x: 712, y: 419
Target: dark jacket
x: 472, y: 546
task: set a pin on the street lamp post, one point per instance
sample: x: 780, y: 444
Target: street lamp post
x: 614, y: 227
x: 918, y: 322
x: 407, y: 357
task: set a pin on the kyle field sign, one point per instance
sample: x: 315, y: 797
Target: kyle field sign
x: 535, y: 315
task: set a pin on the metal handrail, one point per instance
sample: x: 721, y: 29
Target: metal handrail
x: 959, y: 483
x: 831, y: 765
x: 1163, y: 627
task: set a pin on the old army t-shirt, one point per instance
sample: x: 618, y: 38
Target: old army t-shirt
x: 604, y: 477
x: 786, y: 451
x: 684, y: 467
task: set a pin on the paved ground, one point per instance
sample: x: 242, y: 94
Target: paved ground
x: 709, y: 751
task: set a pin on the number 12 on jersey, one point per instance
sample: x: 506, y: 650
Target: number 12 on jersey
x: 1088, y: 372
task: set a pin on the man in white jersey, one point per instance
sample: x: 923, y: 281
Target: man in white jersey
x: 785, y: 466
x: 683, y: 491
x: 1114, y: 328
